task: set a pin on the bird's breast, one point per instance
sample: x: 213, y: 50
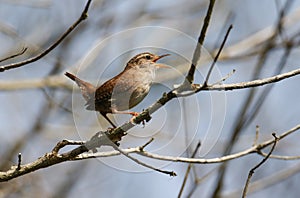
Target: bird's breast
x: 125, y: 91
x: 132, y: 88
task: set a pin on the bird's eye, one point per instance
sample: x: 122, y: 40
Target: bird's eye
x: 148, y: 57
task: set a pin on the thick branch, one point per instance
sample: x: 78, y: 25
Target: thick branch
x: 98, y: 140
x: 254, y: 149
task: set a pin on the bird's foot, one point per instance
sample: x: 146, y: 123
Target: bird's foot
x: 110, y: 129
x: 132, y: 119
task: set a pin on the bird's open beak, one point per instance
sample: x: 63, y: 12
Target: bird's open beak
x: 160, y: 65
x: 159, y: 57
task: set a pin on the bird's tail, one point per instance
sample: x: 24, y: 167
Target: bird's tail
x: 87, y: 89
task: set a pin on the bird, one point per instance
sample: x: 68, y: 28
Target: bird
x: 125, y: 90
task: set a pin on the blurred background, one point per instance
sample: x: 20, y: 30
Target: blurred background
x: 40, y: 106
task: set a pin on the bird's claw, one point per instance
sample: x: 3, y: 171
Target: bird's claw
x: 132, y: 119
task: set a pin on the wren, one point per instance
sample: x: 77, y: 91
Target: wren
x: 125, y: 90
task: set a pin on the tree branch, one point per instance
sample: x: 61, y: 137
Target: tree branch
x: 188, y: 170
x: 99, y: 140
x: 197, y: 52
x: 234, y: 86
x: 14, y: 55
x: 217, y: 56
x: 82, y: 17
x: 251, y: 172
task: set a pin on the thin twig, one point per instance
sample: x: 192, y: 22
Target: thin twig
x: 243, y: 85
x: 229, y: 18
x: 188, y: 169
x: 280, y: 157
x: 224, y: 78
x: 217, y: 56
x: 171, y: 173
x: 253, y: 149
x: 82, y: 17
x: 146, y: 144
x: 267, y: 181
x: 181, y: 90
x: 197, y: 51
x: 14, y: 55
x: 256, y: 135
x: 19, y: 161
x: 251, y: 172
x: 64, y: 143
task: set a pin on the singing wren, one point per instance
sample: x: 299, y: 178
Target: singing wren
x: 125, y: 90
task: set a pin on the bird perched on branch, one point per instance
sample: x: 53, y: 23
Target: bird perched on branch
x: 123, y: 91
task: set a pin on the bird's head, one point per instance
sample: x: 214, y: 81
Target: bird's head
x: 146, y: 59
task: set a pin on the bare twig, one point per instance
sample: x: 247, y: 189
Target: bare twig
x: 146, y: 144
x: 217, y: 56
x: 267, y: 181
x: 183, y: 89
x: 280, y: 157
x: 197, y: 52
x: 19, y: 161
x: 250, y: 84
x: 188, y: 169
x: 251, y: 172
x: 229, y: 18
x: 256, y: 135
x: 224, y: 78
x: 14, y: 55
x: 64, y: 143
x: 170, y: 173
x: 254, y: 149
x: 82, y: 17
x: 99, y: 140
